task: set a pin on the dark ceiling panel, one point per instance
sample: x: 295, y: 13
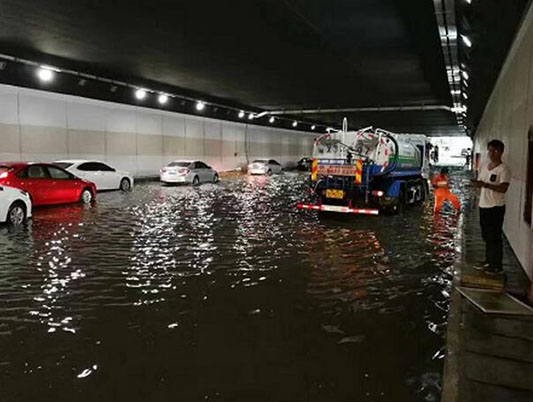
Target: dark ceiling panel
x: 269, y: 54
x: 492, y: 25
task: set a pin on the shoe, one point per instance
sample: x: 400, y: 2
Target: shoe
x: 481, y: 266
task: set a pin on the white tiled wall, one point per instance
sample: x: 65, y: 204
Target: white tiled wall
x: 53, y: 126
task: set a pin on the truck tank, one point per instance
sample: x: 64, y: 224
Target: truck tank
x: 367, y: 171
x: 385, y: 151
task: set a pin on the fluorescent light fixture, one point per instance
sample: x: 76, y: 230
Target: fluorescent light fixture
x: 455, y: 92
x: 466, y: 40
x: 469, y: 1
x: 200, y: 105
x: 140, y: 94
x: 465, y: 95
x: 271, y: 120
x: 163, y: 99
x: 294, y: 123
x: 313, y: 127
x: 241, y: 114
x: 465, y: 75
x: 45, y: 74
x: 251, y: 116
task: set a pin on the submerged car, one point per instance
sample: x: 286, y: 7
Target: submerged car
x: 105, y: 177
x: 15, y: 205
x: 264, y: 166
x: 191, y: 172
x: 47, y: 183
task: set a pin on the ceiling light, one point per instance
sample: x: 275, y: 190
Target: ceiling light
x: 313, y: 127
x: 465, y: 75
x: 271, y: 120
x: 162, y: 99
x: 455, y: 92
x: 200, y: 105
x: 294, y: 123
x: 465, y: 95
x: 469, y: 1
x: 241, y: 114
x: 140, y: 94
x: 251, y: 116
x: 466, y: 40
x: 45, y: 74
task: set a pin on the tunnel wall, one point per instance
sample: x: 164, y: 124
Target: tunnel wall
x: 44, y: 126
x: 508, y: 117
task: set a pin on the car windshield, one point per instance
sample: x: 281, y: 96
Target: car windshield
x: 179, y: 164
x: 260, y: 161
x: 64, y: 165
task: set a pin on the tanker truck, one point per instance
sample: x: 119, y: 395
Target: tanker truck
x: 368, y: 171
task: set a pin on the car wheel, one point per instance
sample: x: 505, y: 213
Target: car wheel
x: 216, y: 178
x: 196, y: 181
x: 86, y: 196
x: 125, y: 184
x: 16, y: 215
x: 269, y: 172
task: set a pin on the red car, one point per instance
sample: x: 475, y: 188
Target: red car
x: 47, y: 183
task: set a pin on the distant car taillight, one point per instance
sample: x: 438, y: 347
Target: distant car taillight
x: 183, y: 171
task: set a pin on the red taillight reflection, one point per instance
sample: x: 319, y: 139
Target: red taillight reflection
x: 183, y: 171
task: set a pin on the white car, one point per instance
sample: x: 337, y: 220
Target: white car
x: 193, y: 172
x: 101, y: 174
x: 15, y: 205
x: 264, y: 166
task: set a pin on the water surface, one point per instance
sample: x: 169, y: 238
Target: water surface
x: 223, y: 293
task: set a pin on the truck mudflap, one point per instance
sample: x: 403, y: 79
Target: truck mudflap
x: 338, y: 208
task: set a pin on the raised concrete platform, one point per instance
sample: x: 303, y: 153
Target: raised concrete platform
x: 489, y: 355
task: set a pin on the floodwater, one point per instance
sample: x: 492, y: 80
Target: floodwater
x: 223, y: 293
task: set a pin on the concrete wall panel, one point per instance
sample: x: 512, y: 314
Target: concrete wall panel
x: 43, y: 140
x: 86, y: 116
x: 174, y: 125
x: 121, y: 120
x: 8, y: 105
x: 121, y: 143
x: 42, y: 112
x: 9, y: 138
x: 46, y: 126
x: 509, y: 117
x: 148, y: 123
x: 86, y: 142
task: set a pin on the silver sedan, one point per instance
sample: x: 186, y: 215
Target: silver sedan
x: 190, y: 172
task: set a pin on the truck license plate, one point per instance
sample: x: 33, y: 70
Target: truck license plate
x: 338, y: 194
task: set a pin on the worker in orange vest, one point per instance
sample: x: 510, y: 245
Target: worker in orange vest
x: 442, y: 191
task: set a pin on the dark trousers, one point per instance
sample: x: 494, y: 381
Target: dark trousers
x: 491, y: 220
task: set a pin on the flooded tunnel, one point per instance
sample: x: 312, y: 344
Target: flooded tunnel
x: 225, y: 292
x: 241, y: 201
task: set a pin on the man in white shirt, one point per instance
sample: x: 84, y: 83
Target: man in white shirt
x: 494, y: 178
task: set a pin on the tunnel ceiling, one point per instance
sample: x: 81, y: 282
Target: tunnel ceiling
x: 275, y: 54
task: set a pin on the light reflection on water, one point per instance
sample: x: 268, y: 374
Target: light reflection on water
x: 223, y: 292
